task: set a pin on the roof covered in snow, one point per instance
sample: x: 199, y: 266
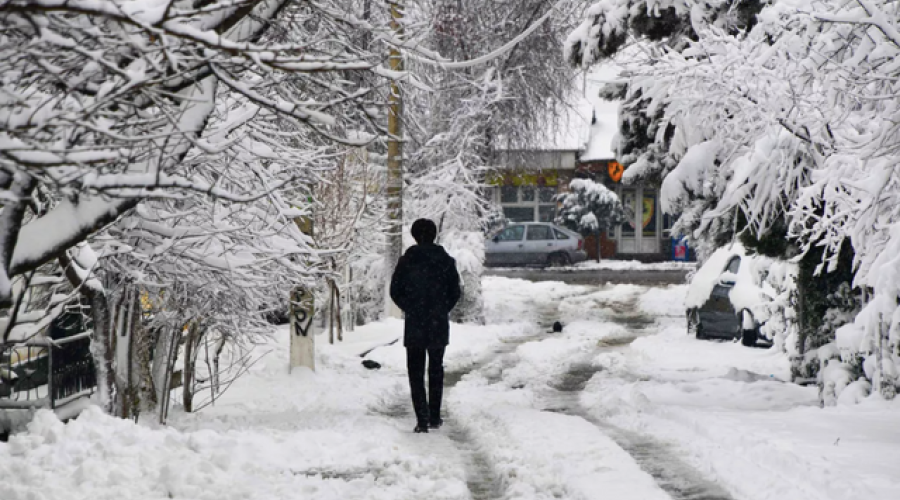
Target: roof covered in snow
x: 590, y: 124
x: 599, y: 144
x: 573, y: 131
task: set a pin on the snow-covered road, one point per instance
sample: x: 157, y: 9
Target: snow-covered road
x: 620, y: 405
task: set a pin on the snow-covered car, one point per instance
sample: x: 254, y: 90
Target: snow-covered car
x: 730, y: 297
x: 539, y: 243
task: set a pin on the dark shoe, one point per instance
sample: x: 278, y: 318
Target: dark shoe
x: 421, y: 429
x: 436, y: 424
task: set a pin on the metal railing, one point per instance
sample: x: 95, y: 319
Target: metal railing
x: 46, y: 373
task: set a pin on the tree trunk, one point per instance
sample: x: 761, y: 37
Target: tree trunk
x: 337, y: 317
x: 165, y: 388
x: 331, y: 312
x: 102, y: 336
x: 394, y: 188
x: 190, y: 344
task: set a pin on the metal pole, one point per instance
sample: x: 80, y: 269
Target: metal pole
x: 395, y: 154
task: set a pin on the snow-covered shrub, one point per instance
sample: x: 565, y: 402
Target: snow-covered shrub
x: 855, y: 392
x: 780, y: 284
x: 467, y: 247
x: 833, y: 377
x: 589, y: 207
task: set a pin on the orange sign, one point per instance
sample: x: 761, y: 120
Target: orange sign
x: 615, y: 170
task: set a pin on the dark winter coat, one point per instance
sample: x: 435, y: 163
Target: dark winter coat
x: 425, y: 286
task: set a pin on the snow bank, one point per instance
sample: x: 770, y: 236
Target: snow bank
x: 664, y: 301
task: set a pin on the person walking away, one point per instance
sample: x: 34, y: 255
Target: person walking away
x: 425, y: 286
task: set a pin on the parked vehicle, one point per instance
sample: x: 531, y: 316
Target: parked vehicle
x: 539, y: 243
x: 727, y: 297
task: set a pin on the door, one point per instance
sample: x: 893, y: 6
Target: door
x: 640, y: 231
x: 507, y: 247
x: 539, y: 243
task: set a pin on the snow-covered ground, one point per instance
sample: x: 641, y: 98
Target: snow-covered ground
x: 621, y: 405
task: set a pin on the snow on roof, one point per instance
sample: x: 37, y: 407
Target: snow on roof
x: 573, y: 131
x: 606, y: 115
x: 569, y: 132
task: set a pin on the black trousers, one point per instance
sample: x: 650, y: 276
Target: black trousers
x: 427, y: 408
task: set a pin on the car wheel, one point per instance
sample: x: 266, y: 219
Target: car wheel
x: 694, y: 326
x: 557, y: 260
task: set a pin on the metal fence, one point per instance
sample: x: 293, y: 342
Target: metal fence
x: 46, y: 373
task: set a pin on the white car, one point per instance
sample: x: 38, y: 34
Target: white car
x: 534, y: 243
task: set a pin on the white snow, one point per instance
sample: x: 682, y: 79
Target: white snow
x: 345, y: 432
x: 605, y: 124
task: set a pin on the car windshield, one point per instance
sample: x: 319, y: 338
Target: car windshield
x: 733, y: 265
x: 560, y: 235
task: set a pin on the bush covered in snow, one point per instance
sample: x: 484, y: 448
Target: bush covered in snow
x: 589, y: 207
x: 467, y: 247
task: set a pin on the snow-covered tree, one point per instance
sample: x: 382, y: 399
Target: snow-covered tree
x: 787, y: 131
x: 191, y: 121
x: 502, y: 93
x: 589, y: 208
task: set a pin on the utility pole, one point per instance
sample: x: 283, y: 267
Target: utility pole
x: 395, y: 156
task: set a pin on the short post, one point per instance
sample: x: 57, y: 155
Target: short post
x: 302, y: 340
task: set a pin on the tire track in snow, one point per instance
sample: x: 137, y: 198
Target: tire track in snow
x: 482, y: 478
x: 676, y: 477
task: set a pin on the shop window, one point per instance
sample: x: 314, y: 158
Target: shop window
x: 629, y: 206
x: 546, y: 213
x: 527, y: 193
x: 547, y: 194
x: 509, y: 194
x: 519, y: 214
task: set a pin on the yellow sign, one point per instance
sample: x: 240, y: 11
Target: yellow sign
x: 649, y: 211
x: 615, y: 170
x: 547, y: 178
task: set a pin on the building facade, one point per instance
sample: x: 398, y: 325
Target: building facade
x: 529, y: 195
x: 581, y: 146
